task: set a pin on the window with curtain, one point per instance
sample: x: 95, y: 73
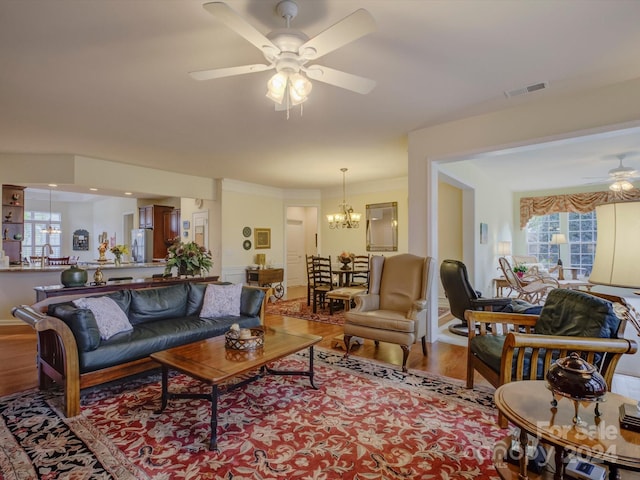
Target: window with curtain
x: 581, y: 235
x: 34, y: 238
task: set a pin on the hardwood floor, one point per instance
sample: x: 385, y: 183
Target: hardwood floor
x: 18, y: 354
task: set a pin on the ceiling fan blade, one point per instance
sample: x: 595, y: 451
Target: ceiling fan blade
x: 340, y: 79
x: 235, y: 22
x: 350, y: 28
x: 228, y: 72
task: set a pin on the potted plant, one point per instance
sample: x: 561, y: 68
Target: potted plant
x: 520, y: 270
x: 189, y: 259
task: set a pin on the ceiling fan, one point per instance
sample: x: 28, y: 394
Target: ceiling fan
x: 288, y: 51
x: 621, y: 176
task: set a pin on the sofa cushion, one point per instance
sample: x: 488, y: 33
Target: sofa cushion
x: 149, y: 337
x: 81, y: 322
x: 195, y: 298
x: 251, y: 301
x: 158, y: 303
x: 577, y: 314
x: 107, y: 313
x: 221, y: 300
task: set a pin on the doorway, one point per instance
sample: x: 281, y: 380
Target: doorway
x: 302, y: 234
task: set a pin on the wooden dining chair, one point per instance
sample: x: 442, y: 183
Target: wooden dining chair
x: 360, y: 275
x: 322, y: 280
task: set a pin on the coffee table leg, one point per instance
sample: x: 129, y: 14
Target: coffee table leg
x: 560, y: 454
x: 165, y: 388
x: 311, y: 367
x: 213, y: 444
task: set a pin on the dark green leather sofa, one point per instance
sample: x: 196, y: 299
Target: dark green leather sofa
x: 72, y: 354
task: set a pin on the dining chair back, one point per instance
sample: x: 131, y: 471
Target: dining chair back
x: 360, y: 275
x: 322, y: 280
x: 309, y: 278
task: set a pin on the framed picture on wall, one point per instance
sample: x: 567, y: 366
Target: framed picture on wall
x: 262, y: 237
x: 484, y: 233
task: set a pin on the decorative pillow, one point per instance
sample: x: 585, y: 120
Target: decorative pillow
x: 109, y: 316
x: 221, y: 301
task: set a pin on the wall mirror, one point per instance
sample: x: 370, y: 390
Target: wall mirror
x: 382, y: 227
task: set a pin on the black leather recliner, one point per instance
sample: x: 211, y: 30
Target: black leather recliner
x: 462, y: 296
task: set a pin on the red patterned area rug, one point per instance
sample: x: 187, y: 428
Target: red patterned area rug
x: 366, y: 420
x: 297, y: 308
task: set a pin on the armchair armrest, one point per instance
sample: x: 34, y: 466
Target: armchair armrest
x: 483, y: 303
x: 366, y: 303
x: 481, y: 322
x: 544, y: 346
x: 417, y: 307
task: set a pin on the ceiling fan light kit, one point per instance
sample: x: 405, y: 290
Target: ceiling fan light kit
x: 288, y: 51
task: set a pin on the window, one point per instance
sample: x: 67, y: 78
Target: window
x: 34, y: 238
x: 581, y: 235
x: 539, y: 231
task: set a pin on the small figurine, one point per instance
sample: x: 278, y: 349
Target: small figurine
x: 8, y: 216
x: 98, y: 276
x: 102, y: 248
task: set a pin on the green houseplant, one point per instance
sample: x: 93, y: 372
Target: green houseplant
x: 520, y: 269
x: 189, y: 259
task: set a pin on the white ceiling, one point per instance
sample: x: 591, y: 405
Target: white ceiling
x: 108, y: 79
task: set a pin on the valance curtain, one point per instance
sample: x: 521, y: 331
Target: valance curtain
x: 574, y: 202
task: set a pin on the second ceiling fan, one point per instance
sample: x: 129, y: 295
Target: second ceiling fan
x: 288, y: 51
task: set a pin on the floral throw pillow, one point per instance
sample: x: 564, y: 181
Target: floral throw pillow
x: 221, y: 301
x: 109, y: 316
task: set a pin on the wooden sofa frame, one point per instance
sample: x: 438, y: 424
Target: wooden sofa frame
x: 57, y: 357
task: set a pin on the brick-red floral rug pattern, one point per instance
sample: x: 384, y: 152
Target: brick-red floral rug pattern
x: 366, y: 420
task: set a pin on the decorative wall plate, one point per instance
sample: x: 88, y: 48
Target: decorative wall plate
x: 246, y: 231
x: 246, y: 244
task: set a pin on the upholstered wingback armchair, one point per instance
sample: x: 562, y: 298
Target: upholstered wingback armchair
x: 395, y: 309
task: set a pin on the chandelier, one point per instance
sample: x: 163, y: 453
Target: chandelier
x: 346, y: 218
x: 50, y: 230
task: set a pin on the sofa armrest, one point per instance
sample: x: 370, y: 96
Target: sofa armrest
x: 57, y: 354
x: 545, y: 346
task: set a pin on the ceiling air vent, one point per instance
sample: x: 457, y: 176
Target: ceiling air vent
x: 525, y: 90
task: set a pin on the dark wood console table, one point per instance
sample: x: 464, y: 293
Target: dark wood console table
x: 49, y: 291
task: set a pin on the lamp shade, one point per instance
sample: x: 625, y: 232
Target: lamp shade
x: 617, y: 260
x: 558, y: 239
x: 504, y: 248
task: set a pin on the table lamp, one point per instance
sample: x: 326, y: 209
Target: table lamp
x: 559, y: 239
x: 261, y: 259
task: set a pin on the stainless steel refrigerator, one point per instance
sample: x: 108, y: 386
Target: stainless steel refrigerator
x: 141, y: 245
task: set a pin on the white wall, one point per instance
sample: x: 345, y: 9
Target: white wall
x: 249, y: 205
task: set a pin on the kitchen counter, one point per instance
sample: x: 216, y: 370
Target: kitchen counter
x: 17, y: 283
x: 86, y: 265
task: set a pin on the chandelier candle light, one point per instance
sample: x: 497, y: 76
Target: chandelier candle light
x: 346, y: 218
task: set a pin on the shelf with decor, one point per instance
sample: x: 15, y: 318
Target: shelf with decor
x: 12, y: 222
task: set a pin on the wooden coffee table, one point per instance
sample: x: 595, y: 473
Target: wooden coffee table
x: 527, y: 404
x: 211, y: 363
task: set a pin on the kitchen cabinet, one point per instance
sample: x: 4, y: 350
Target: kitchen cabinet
x: 172, y: 225
x: 12, y: 222
x: 152, y: 217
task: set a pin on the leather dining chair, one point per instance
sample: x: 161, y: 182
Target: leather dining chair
x: 395, y: 308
